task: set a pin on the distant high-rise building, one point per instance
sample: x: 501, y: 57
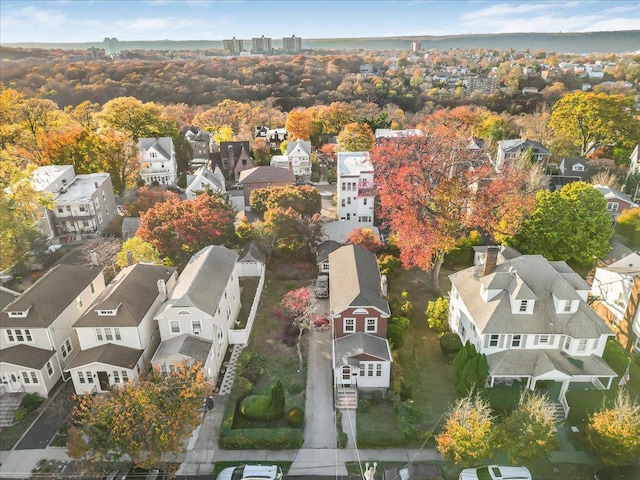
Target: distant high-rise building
x: 416, y: 46
x: 292, y: 45
x: 481, y: 84
x: 111, y: 46
x: 233, y: 46
x: 261, y: 45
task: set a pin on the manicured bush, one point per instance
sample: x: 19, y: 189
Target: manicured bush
x: 450, y: 344
x: 437, y: 313
x: 502, y: 400
x: 396, y: 336
x: 242, y: 386
x: 263, y: 407
x: 295, y: 417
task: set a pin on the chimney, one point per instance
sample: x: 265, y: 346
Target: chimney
x: 490, y: 259
x: 129, y: 258
x: 383, y: 285
x: 162, y: 289
x: 94, y: 258
x: 96, y: 184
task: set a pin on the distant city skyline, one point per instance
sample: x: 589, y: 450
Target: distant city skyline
x: 81, y: 21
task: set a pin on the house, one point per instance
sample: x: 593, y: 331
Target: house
x: 204, y: 304
x: 275, y: 136
x: 617, y: 202
x: 355, y: 188
x: 634, y: 161
x: 262, y: 177
x: 359, y: 313
x: 570, y: 170
x: 200, y: 141
x: 204, y: 179
x: 297, y: 159
x: 531, y: 319
x: 616, y: 288
x: 130, y: 226
x: 233, y: 158
x: 511, y: 150
x: 84, y: 204
x: 386, y: 133
x: 118, y: 334
x: 157, y: 161
x: 37, y: 341
x: 323, y: 251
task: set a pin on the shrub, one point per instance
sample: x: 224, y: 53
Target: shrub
x: 405, y: 417
x: 295, y: 388
x: 402, y: 322
x: 437, y: 313
x: 31, y: 402
x: 295, y: 417
x: 406, y: 393
x: 342, y: 437
x: 243, y: 386
x: 376, y: 397
x: 263, y: 407
x: 396, y: 336
x: 260, y: 438
x: 502, y: 400
x: 450, y: 344
x: 251, y: 365
x: 19, y: 414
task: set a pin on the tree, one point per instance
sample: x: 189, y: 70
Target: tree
x: 628, y: 226
x: 130, y: 116
x: 437, y: 313
x: 146, y: 198
x: 434, y: 191
x: 570, y: 224
x: 303, y: 199
x: 298, y: 125
x: 468, y: 432
x: 179, y: 228
x: 139, y: 250
x: 104, y: 253
x: 73, y: 146
x: 356, y: 137
x: 529, y: 432
x: 587, y: 119
x: 365, y: 237
x: 614, y: 431
x: 289, y: 232
x: 20, y: 206
x: 300, y: 308
x: 145, y: 421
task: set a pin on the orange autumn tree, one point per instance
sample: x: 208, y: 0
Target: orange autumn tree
x: 145, y: 421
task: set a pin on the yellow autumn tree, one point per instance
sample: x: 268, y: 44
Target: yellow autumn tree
x: 298, y: 125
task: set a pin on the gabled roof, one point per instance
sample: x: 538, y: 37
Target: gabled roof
x: 108, y: 354
x: 205, y: 175
x: 50, y: 296
x: 360, y: 343
x: 253, y: 252
x: 355, y: 280
x: 613, y: 194
x: 324, y: 249
x: 543, y: 278
x: 304, y: 145
x: 536, y: 363
x: 131, y: 294
x: 188, y: 345
x: 26, y: 356
x: 267, y: 174
x: 203, y: 280
x: 520, y: 145
x: 163, y: 145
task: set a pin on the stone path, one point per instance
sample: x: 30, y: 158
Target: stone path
x: 230, y: 373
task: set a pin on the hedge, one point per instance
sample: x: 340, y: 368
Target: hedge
x: 502, y: 400
x: 450, y: 344
x: 260, y: 438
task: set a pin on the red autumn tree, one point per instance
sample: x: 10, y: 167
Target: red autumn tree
x: 179, y: 228
x: 146, y: 198
x: 365, y: 237
x: 434, y: 190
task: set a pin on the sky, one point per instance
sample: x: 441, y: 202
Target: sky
x: 73, y: 21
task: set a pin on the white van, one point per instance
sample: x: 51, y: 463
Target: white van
x: 251, y: 472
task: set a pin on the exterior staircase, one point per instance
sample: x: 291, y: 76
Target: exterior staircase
x: 558, y: 412
x: 9, y: 403
x: 346, y: 398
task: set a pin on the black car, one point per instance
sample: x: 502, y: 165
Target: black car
x: 628, y: 472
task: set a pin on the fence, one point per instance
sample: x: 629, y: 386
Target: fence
x: 241, y: 335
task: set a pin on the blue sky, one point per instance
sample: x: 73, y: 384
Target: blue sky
x: 66, y: 21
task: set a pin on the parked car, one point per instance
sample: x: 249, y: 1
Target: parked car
x: 322, y: 286
x: 145, y: 474
x: 120, y: 474
x: 629, y: 472
x: 251, y: 472
x: 235, y: 186
x: 496, y: 472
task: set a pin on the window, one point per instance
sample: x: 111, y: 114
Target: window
x: 543, y: 339
x: 116, y: 332
x: 567, y: 307
x: 125, y: 376
x: 104, y: 196
x: 582, y: 345
x: 10, y: 336
x: 107, y: 333
x: 79, y: 302
x: 99, y: 334
x: 89, y: 376
x: 30, y: 377
x: 567, y: 343
x: 220, y: 337
x: 96, y: 201
x: 19, y: 335
x: 175, y: 326
x: 343, y: 203
x: 153, y: 155
x: 81, y: 377
x: 523, y: 305
x: 100, y: 217
x: 93, y: 289
x: 516, y: 341
x: 49, y: 368
x: 82, y: 208
x: 371, y: 325
x: 612, y: 206
x: 349, y: 325
x: 196, y: 327
x: 66, y: 348
x: 348, y: 200
x: 364, y: 201
x: 116, y: 376
x: 493, y: 340
x: 369, y: 369
x: 60, y: 210
x: 378, y: 370
x: 344, y: 187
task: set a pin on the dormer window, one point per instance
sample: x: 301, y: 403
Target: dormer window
x: 19, y: 313
x: 523, y: 306
x: 578, y: 167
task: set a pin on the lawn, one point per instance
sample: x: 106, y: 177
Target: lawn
x: 9, y: 436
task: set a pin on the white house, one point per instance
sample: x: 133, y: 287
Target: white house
x: 617, y: 290
x: 204, y: 304
x: 531, y: 319
x: 117, y: 334
x: 84, y: 204
x: 157, y: 160
x: 204, y: 179
x: 511, y: 150
x: 37, y: 342
x: 297, y: 158
x: 355, y: 188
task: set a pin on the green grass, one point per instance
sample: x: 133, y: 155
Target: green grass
x: 219, y: 466
x: 9, y: 436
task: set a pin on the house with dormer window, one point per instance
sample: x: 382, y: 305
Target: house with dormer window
x: 157, y: 161
x: 297, y: 159
x: 37, y: 341
x: 531, y: 319
x: 512, y: 150
x: 359, y: 314
x: 117, y: 333
x: 195, y: 319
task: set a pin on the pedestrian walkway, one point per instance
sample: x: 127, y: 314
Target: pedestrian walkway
x: 230, y: 372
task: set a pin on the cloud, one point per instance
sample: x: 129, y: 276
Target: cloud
x: 33, y: 18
